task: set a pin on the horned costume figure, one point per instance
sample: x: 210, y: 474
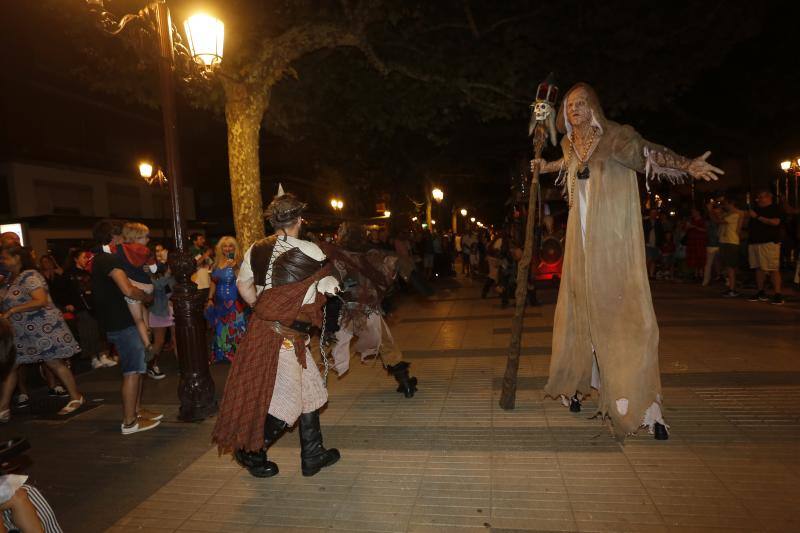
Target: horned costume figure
x: 367, y: 274
x: 274, y: 381
x: 605, y: 334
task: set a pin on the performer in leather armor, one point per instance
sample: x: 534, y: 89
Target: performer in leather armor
x: 368, y: 274
x: 274, y: 381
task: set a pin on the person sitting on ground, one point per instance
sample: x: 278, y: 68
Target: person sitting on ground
x: 138, y: 262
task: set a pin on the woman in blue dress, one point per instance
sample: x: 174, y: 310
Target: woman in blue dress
x: 225, y: 311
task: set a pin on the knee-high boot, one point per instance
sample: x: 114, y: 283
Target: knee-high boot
x: 256, y: 462
x: 313, y: 455
x: 406, y: 384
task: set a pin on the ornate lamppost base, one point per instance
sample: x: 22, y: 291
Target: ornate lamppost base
x: 195, y: 386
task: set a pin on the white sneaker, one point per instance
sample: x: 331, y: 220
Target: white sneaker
x: 140, y: 425
x: 106, y: 361
x: 97, y: 363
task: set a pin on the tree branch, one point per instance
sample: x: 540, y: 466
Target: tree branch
x: 471, y: 19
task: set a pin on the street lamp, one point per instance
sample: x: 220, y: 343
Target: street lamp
x: 206, y: 35
x: 336, y: 204
x: 437, y: 194
x: 463, y: 212
x: 146, y: 172
x: 790, y: 168
x: 387, y: 214
x: 472, y: 220
x: 152, y: 25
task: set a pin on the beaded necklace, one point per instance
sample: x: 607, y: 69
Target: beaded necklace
x: 584, y: 171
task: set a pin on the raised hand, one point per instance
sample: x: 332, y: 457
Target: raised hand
x: 700, y: 169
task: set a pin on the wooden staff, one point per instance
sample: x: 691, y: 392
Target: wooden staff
x: 508, y: 396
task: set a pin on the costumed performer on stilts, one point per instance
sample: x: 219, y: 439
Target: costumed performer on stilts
x: 605, y: 334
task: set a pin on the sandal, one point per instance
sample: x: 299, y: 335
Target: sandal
x: 72, y: 406
x: 5, y: 416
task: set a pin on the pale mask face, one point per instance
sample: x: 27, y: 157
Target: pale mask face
x: 578, y: 111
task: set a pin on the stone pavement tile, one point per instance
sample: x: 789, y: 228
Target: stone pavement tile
x: 358, y: 519
x: 281, y: 529
x: 529, y: 525
x: 139, y: 529
x: 414, y: 528
x: 421, y: 519
x: 596, y: 525
x: 134, y: 520
x: 681, y: 520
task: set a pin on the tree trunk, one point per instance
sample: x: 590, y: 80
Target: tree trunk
x: 244, y: 109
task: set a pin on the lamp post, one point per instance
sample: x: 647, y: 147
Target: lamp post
x: 336, y: 204
x: 790, y: 167
x: 437, y: 194
x: 158, y: 178
x: 153, y: 24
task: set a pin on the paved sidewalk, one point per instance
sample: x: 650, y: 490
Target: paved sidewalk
x: 451, y: 459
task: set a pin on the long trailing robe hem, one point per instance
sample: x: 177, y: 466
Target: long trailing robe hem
x: 654, y: 171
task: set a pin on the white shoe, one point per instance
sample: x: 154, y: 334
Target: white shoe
x: 106, y: 361
x: 140, y: 425
x: 97, y: 363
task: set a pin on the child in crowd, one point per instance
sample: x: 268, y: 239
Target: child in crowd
x: 138, y: 262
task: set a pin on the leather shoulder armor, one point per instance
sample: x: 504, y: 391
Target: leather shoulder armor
x: 259, y: 259
x: 293, y: 265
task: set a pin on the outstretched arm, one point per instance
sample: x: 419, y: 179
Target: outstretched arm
x: 698, y: 168
x: 659, y: 162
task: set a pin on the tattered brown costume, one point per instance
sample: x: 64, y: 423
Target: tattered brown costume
x: 251, y: 382
x: 604, y: 303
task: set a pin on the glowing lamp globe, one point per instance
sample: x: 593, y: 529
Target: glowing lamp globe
x: 145, y: 169
x: 786, y: 165
x: 437, y: 194
x: 387, y: 214
x: 463, y: 212
x: 205, y: 35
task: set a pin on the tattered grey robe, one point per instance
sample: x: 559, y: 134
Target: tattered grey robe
x: 604, y: 301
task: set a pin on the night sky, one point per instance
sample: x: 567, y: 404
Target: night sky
x: 693, y: 75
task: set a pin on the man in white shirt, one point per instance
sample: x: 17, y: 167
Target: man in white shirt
x: 274, y: 380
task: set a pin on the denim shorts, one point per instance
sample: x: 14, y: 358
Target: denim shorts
x: 131, y: 350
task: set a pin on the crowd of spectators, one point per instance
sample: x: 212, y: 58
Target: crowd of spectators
x: 736, y: 242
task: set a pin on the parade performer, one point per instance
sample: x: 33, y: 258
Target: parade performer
x: 274, y: 381
x: 367, y: 273
x: 605, y: 334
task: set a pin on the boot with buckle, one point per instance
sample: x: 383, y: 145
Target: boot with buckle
x: 256, y: 462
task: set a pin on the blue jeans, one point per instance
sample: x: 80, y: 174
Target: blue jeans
x: 131, y: 350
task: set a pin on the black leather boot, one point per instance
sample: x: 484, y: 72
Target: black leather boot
x: 574, y: 405
x: 313, y: 455
x: 256, y: 462
x: 406, y: 384
x: 660, y: 432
